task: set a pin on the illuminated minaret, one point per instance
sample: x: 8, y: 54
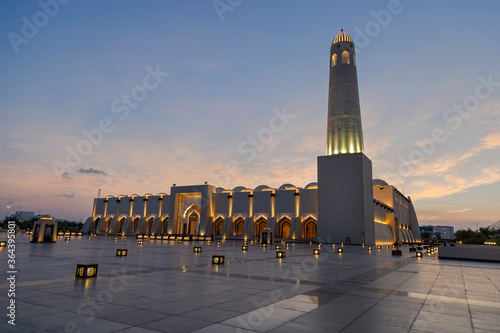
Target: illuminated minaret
x: 344, y: 134
x: 345, y: 192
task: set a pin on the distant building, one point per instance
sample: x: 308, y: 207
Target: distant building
x: 446, y: 232
x: 22, y: 215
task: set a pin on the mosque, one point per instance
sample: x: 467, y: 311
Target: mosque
x: 345, y: 205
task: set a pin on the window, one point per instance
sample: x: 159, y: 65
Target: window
x: 334, y: 59
x: 345, y: 57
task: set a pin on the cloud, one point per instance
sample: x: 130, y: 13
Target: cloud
x: 458, y: 211
x: 491, y: 141
x: 92, y: 170
x: 66, y: 195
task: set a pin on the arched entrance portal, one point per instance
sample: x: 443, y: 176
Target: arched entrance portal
x: 310, y: 228
x: 285, y: 229
x: 238, y: 227
x: 260, y: 225
x: 219, y: 223
x: 191, y: 221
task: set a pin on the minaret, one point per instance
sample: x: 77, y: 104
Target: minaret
x: 344, y: 134
x: 345, y: 192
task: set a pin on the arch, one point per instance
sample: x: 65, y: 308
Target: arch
x: 107, y: 223
x: 219, y: 223
x: 149, y: 224
x: 285, y: 229
x: 164, y: 224
x: 96, y: 222
x: 238, y: 226
x: 135, y: 222
x: 346, y: 58
x: 259, y: 225
x: 310, y: 227
x: 334, y: 59
x: 193, y: 220
x: 120, y: 224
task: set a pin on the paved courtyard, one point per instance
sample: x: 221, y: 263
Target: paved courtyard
x: 162, y: 286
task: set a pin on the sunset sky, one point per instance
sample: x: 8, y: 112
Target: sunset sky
x: 176, y: 91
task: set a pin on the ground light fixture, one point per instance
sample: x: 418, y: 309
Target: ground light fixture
x: 197, y: 249
x: 85, y: 271
x: 218, y: 260
x: 219, y: 243
x: 244, y: 248
x: 140, y: 242
x: 67, y: 239
x: 316, y: 251
x: 369, y: 248
x: 340, y: 250
x: 280, y: 254
x: 278, y: 247
x: 419, y: 254
x: 3, y: 244
x: 121, y: 252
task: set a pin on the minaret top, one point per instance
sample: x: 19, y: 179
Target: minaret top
x: 342, y: 37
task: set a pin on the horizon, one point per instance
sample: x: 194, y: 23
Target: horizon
x: 134, y: 97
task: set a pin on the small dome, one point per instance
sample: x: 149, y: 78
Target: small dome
x: 313, y: 185
x: 342, y: 37
x: 287, y: 187
x: 379, y: 182
x: 239, y: 189
x: 262, y: 188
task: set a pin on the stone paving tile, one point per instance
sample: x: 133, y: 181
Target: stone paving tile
x: 175, y: 324
x: 168, y: 289
x: 219, y: 328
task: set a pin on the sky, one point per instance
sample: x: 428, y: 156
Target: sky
x: 131, y: 97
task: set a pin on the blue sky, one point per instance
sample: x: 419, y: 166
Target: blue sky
x: 225, y: 78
